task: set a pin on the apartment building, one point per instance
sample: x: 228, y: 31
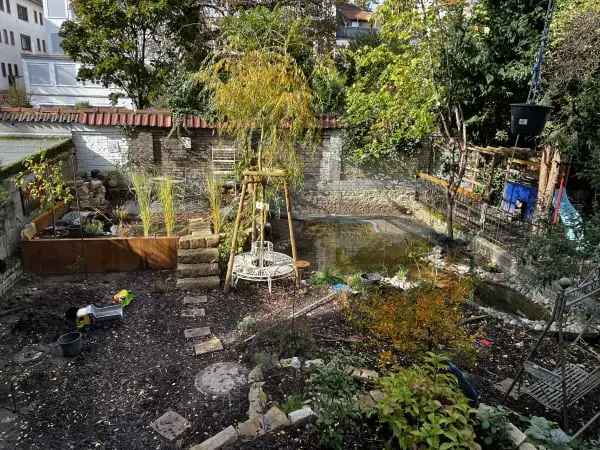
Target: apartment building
x: 31, y: 56
x: 22, y: 32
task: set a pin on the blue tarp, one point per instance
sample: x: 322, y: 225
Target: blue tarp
x: 525, y: 194
x: 570, y: 218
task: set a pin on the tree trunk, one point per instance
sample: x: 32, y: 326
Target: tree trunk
x: 450, y: 215
x: 549, y: 172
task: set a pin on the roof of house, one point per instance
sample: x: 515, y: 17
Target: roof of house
x: 353, y: 12
x: 109, y: 117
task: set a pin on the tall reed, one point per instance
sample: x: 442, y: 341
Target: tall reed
x: 165, y: 195
x: 214, y: 189
x: 142, y: 184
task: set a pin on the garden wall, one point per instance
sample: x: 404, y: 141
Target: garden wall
x: 332, y: 185
x: 99, y: 255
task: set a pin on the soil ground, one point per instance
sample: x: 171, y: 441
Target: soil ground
x: 131, y: 372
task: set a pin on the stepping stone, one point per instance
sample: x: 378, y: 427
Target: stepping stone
x: 212, y: 345
x: 194, y: 312
x: 225, y: 437
x: 196, y: 332
x: 170, y: 425
x: 275, y: 419
x: 301, y: 415
x: 191, y: 241
x: 187, y: 300
x: 198, y: 256
x: 221, y: 378
x: 204, y: 283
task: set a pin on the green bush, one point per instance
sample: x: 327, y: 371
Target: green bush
x: 424, y: 408
x: 492, y: 428
x: 333, y: 391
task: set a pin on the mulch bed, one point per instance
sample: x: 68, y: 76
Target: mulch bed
x: 131, y: 372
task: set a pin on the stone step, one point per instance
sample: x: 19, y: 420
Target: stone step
x: 196, y: 332
x: 198, y: 256
x: 199, y: 240
x: 212, y: 345
x: 197, y: 270
x: 199, y: 225
x: 199, y: 283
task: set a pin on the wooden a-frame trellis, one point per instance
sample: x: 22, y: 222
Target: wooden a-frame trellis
x: 254, y: 179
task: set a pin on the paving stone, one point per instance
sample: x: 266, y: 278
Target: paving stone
x: 204, y: 283
x: 301, y: 415
x: 225, y: 437
x: 365, y: 375
x: 196, y: 332
x: 198, y: 256
x: 313, y: 363
x: 170, y: 425
x: 257, y: 399
x: 378, y: 396
x: 212, y: 345
x: 516, y: 436
x: 503, y: 387
x: 197, y: 270
x: 250, y: 429
x: 193, y: 312
x: 192, y: 241
x: 187, y: 300
x: 256, y: 374
x: 221, y: 378
x: 275, y: 419
x: 291, y: 362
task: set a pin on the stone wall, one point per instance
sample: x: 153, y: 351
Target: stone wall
x: 10, y: 276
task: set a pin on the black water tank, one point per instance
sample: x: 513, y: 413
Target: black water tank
x: 528, y: 120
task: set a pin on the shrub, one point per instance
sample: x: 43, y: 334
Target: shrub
x: 492, y: 428
x: 425, y: 318
x: 326, y: 277
x: 292, y: 403
x: 423, y: 407
x: 333, y: 391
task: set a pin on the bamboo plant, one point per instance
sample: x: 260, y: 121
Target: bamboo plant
x: 214, y: 190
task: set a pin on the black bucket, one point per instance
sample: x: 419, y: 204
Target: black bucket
x: 528, y: 120
x: 70, y: 344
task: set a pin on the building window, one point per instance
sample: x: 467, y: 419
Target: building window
x: 39, y: 45
x: 35, y: 16
x: 44, y: 46
x: 25, y: 43
x: 57, y: 9
x: 8, y: 6
x: 10, y: 72
x: 1, y: 5
x: 3, y: 67
x: 12, y: 38
x: 39, y: 74
x: 16, y: 71
x: 66, y: 74
x: 5, y: 37
x: 22, y: 13
x: 156, y: 149
x: 41, y: 18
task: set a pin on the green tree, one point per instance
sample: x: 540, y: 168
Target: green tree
x: 132, y: 45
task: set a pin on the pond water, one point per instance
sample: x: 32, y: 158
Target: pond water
x: 505, y: 299
x: 353, y: 245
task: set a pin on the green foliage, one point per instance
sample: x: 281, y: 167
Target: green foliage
x: 544, y: 432
x: 424, y: 407
x: 492, y: 428
x: 44, y: 180
x: 264, y: 96
x: 326, y: 277
x: 329, y: 89
x: 17, y: 97
x: 333, y: 391
x: 214, y: 193
x: 131, y: 45
x: 292, y: 403
x: 94, y: 228
x: 142, y: 186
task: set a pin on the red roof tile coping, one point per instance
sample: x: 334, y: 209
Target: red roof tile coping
x: 110, y: 117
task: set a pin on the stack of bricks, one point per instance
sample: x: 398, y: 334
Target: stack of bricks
x: 198, y: 258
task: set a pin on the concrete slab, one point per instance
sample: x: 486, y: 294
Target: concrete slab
x: 170, y: 425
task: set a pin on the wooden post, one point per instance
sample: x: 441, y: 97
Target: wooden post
x: 288, y: 207
x: 236, y: 227
x: 253, y: 212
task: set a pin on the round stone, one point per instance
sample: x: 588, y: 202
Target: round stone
x: 221, y: 378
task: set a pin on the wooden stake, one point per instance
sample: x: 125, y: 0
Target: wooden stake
x: 288, y: 207
x: 236, y: 227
